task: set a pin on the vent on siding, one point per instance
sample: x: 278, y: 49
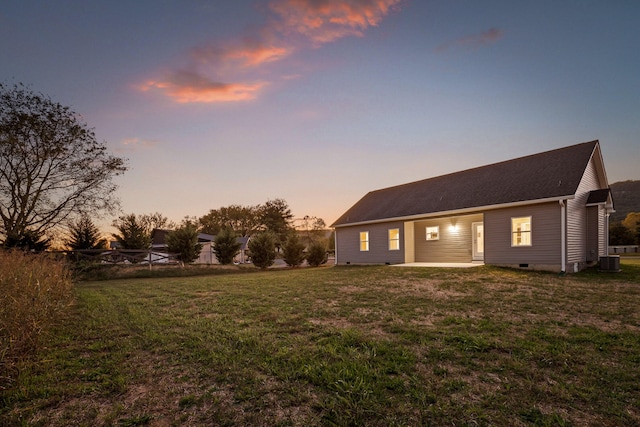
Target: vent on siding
x: 524, y: 265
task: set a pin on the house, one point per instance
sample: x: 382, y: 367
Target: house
x: 547, y: 211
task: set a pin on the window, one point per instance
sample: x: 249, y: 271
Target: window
x: 364, y: 240
x: 521, y: 231
x: 394, y: 239
x: 433, y: 233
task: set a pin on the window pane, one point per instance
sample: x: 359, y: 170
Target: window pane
x: 364, y: 240
x: 394, y: 239
x: 521, y: 231
x: 433, y: 233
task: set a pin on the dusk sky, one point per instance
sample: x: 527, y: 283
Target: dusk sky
x: 317, y: 102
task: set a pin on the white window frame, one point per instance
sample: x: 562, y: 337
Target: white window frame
x: 364, y: 242
x: 394, y: 242
x: 525, y: 236
x: 431, y: 231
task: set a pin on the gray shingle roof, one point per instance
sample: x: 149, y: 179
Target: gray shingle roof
x: 550, y: 174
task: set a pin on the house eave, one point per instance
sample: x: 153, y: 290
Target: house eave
x: 457, y: 211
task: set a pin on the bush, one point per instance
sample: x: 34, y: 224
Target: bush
x: 226, y: 247
x: 263, y: 250
x: 293, y: 251
x: 184, y: 242
x: 35, y: 290
x: 317, y: 254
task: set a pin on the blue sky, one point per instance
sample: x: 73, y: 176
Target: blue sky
x: 320, y: 101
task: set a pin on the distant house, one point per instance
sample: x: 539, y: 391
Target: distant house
x: 547, y: 211
x: 207, y: 255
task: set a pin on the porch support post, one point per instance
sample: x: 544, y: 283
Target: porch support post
x: 335, y: 246
x: 409, y: 242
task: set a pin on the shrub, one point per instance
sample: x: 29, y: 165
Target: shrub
x: 317, y: 254
x: 35, y: 290
x: 84, y: 234
x: 28, y: 240
x: 226, y: 247
x: 184, y: 242
x: 293, y: 251
x: 263, y: 250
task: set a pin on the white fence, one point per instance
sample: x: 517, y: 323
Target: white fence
x: 617, y: 250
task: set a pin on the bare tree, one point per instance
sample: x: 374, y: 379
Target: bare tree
x: 52, y: 168
x: 243, y: 220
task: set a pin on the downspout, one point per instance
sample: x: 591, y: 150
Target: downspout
x: 563, y: 236
x: 608, y: 210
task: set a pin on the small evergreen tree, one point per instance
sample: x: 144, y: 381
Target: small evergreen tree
x: 135, y: 230
x: 263, y: 250
x: 83, y: 234
x: 293, y: 251
x: 184, y: 242
x: 29, y: 240
x: 317, y: 254
x: 133, y: 233
x: 226, y: 247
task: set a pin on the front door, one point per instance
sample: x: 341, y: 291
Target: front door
x: 477, y: 231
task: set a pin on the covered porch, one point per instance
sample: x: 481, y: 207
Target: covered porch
x: 450, y: 241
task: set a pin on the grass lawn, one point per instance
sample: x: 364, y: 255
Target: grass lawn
x: 341, y: 346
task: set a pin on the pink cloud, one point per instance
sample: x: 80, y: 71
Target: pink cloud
x: 249, y: 54
x: 324, y: 21
x: 492, y: 35
x: 188, y: 87
x: 226, y: 72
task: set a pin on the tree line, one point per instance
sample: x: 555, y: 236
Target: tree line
x: 56, y: 178
x: 625, y: 232
x: 270, y: 227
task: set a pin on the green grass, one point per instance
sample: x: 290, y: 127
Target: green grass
x: 342, y: 346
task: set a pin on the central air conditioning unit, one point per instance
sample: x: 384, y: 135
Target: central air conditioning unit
x: 610, y: 263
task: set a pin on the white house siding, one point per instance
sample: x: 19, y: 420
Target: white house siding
x: 545, y: 250
x: 454, y: 245
x: 348, y: 242
x: 206, y: 255
x: 577, y: 217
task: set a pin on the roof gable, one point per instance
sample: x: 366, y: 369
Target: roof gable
x: 551, y: 174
